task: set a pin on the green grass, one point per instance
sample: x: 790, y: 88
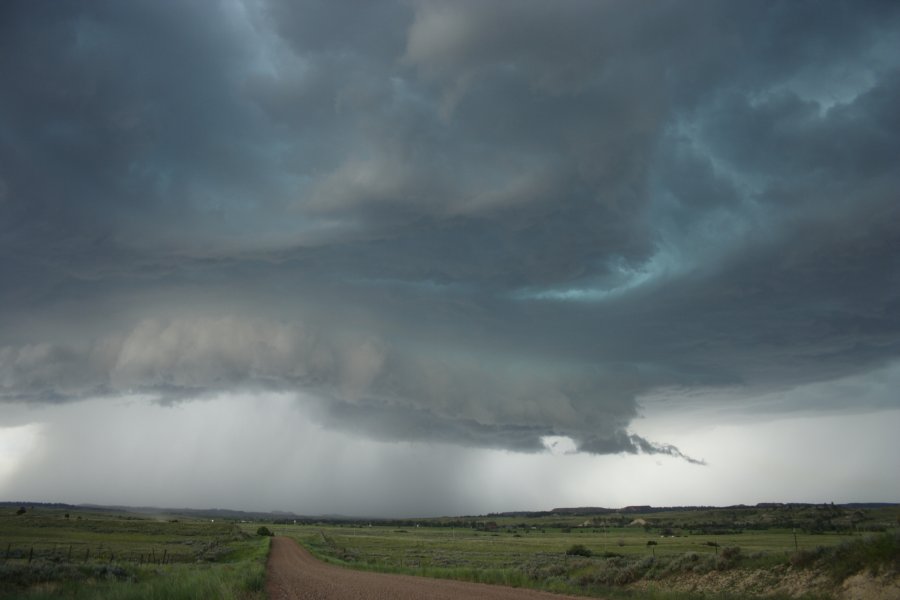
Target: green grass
x: 100, y: 554
x: 85, y: 536
x: 172, y: 582
x: 531, y: 553
x: 875, y: 552
x: 43, y: 554
x: 444, y: 547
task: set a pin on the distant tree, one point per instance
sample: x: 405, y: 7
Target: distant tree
x: 22, y: 510
x: 264, y: 531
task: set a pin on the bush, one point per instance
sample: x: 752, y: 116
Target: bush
x: 875, y: 552
x: 690, y: 562
x: 264, y: 531
x: 806, y: 558
x: 579, y: 550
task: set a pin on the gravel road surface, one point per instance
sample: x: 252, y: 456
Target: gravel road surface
x: 293, y: 574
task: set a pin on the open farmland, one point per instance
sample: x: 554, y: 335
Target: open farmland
x: 620, y: 551
x: 786, y: 551
x: 61, y: 553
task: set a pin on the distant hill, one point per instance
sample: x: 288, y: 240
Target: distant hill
x: 276, y: 515
x: 199, y: 513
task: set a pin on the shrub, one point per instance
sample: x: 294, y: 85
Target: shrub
x: 872, y: 552
x: 806, y: 558
x: 264, y: 531
x: 579, y: 550
x: 731, y: 552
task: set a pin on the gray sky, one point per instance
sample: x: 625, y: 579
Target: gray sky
x: 430, y: 257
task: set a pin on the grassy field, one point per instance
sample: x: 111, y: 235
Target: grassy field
x: 623, y: 549
x: 48, y: 553
x: 430, y: 546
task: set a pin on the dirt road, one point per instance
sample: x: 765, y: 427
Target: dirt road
x: 293, y: 574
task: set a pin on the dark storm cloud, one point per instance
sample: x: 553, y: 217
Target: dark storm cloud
x: 476, y: 222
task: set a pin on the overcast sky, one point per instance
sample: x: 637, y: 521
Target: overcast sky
x: 439, y: 257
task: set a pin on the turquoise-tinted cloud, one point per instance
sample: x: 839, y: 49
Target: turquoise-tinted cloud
x: 477, y: 222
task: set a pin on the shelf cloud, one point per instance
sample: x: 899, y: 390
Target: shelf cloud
x: 474, y: 223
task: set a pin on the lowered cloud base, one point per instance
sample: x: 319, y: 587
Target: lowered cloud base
x: 480, y: 224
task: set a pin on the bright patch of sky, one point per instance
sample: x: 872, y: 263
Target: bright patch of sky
x: 16, y: 444
x: 264, y: 453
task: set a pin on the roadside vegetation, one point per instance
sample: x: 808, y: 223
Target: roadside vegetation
x: 780, y: 551
x: 733, y: 553
x: 47, y: 553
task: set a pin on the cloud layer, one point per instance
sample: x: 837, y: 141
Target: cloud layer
x: 481, y: 223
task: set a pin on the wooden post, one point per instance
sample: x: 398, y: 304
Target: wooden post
x: 30, y: 553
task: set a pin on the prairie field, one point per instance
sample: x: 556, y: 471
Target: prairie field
x: 48, y: 552
x: 61, y: 553
x: 616, y: 554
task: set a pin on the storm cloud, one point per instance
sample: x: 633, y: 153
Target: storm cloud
x: 475, y: 223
